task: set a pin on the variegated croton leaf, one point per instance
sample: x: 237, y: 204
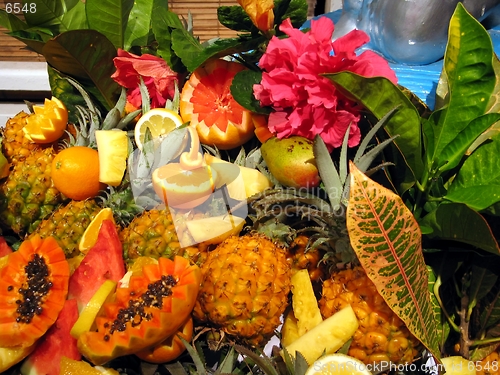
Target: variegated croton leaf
x: 387, y: 241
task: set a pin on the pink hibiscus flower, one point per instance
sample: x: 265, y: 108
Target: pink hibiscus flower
x: 156, y: 74
x: 306, y: 103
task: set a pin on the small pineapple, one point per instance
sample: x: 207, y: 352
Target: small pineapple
x: 28, y: 195
x: 381, y: 336
x: 15, y: 145
x: 154, y: 234
x: 301, y: 256
x: 68, y: 223
x: 245, y: 285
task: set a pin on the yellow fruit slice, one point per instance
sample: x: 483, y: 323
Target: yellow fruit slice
x: 327, y: 337
x: 48, y: 122
x: 289, y: 330
x: 159, y: 121
x: 89, y: 237
x: 73, y: 367
x: 87, y: 316
x: 241, y: 182
x: 112, y: 146
x: 10, y: 356
x: 457, y: 365
x: 338, y: 364
x: 304, y: 302
x: 214, y: 230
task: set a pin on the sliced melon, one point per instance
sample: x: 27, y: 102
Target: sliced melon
x: 327, y: 337
x: 304, y: 302
x: 214, y: 230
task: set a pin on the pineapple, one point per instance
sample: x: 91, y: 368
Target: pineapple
x: 15, y: 145
x: 245, y: 285
x: 381, y: 335
x: 301, y: 256
x: 68, y: 223
x: 28, y: 196
x: 154, y: 234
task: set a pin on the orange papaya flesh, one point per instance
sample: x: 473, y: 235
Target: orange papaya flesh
x: 170, y: 348
x: 33, y: 289
x: 152, y: 308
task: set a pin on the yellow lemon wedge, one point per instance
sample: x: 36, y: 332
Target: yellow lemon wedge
x: 87, y: 317
x: 338, y: 364
x: 457, y: 365
x: 89, y: 237
x: 112, y: 146
x: 48, y: 122
x: 159, y: 121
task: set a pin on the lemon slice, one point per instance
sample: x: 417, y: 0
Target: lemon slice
x: 112, y: 146
x: 338, y: 364
x: 159, y: 121
x: 89, y: 237
x: 87, y: 316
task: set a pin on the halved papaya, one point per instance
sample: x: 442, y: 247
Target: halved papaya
x: 33, y: 289
x: 152, y: 308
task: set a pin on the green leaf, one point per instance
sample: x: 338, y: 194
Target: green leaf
x: 76, y: 18
x: 443, y: 328
x: 453, y: 153
x: 51, y: 14
x: 139, y: 22
x: 87, y: 56
x: 109, y: 17
x: 296, y: 10
x: 33, y: 40
x: 471, y: 79
x: 234, y: 18
x: 163, y: 22
x: 328, y: 172
x: 11, y: 22
x: 379, y: 96
x: 387, y: 241
x: 477, y: 183
x: 457, y: 222
x: 242, y: 90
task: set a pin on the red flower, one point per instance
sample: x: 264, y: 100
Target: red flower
x: 306, y: 103
x: 156, y: 74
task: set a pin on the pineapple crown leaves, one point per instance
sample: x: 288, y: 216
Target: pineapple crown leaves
x: 336, y: 182
x: 121, y: 201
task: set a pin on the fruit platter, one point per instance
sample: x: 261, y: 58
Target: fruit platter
x: 270, y: 203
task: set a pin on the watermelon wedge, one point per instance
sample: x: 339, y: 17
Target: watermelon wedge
x: 104, y: 261
x: 5, y: 249
x: 55, y: 344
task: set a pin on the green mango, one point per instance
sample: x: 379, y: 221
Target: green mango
x: 291, y: 161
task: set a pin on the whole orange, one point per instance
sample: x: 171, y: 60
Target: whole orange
x: 75, y: 172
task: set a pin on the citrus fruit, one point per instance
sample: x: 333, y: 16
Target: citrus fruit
x: 183, y: 188
x: 112, y: 146
x: 207, y: 103
x: 87, y: 316
x: 73, y: 367
x: 457, y: 365
x: 48, y: 122
x: 75, y: 172
x: 10, y: 356
x: 89, y: 237
x: 262, y: 131
x: 338, y: 364
x: 159, y: 121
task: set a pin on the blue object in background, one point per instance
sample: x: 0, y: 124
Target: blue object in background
x: 422, y: 80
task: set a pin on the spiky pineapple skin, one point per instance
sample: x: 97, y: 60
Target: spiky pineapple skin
x: 68, y: 223
x: 301, y: 257
x: 28, y: 195
x: 381, y: 335
x: 153, y: 233
x: 15, y: 145
x: 244, y: 291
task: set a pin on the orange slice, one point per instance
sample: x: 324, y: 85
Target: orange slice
x: 159, y: 121
x: 48, y: 122
x: 207, y: 103
x: 183, y: 188
x: 71, y: 367
x: 89, y: 237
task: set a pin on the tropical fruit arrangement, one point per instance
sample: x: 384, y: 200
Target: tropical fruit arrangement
x: 272, y: 203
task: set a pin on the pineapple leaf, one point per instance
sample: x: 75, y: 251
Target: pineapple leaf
x: 127, y: 119
x: 227, y: 363
x: 173, y: 104
x: 263, y: 362
x: 328, y: 172
x: 176, y: 368
x: 146, y: 105
x: 343, y: 156
x: 367, y: 159
x: 369, y: 136
x: 195, y: 356
x: 301, y: 365
x: 388, y: 243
